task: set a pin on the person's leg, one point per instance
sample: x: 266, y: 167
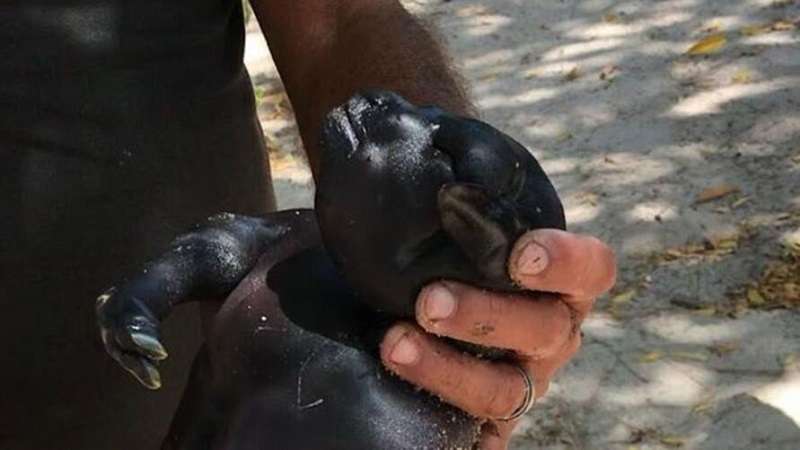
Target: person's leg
x: 76, y: 227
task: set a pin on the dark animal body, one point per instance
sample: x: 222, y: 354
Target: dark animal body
x: 406, y: 196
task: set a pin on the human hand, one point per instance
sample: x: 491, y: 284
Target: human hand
x: 567, y: 271
x: 435, y: 196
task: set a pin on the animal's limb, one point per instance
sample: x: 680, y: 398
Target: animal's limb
x: 205, y: 264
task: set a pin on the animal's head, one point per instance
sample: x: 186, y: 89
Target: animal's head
x: 408, y: 195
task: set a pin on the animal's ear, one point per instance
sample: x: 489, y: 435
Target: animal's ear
x: 469, y: 216
x: 480, y: 154
x: 483, y: 155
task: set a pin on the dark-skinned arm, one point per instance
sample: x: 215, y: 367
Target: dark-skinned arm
x: 327, y: 50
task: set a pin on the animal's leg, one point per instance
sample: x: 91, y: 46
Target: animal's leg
x: 205, y: 264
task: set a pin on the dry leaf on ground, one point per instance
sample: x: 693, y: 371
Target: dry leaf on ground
x: 573, y: 74
x: 651, y: 357
x: 623, y: 297
x: 740, y: 202
x: 705, y: 311
x: 777, y: 287
x: 778, y: 25
x: 724, y: 347
x: 672, y: 441
x: 791, y: 241
x: 689, y: 356
x: 696, y: 253
x: 754, y: 297
x: 588, y: 197
x: 705, y: 405
x: 742, y: 76
x: 564, y: 136
x: 532, y: 73
x: 715, y: 192
x: 725, y: 239
x: 709, y: 44
x: 783, y: 25
x: 755, y: 30
x: 609, y: 72
x: 727, y: 244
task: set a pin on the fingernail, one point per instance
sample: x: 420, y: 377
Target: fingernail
x: 403, y: 351
x: 439, y: 303
x: 532, y: 260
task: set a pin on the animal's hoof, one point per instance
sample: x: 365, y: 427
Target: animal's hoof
x: 130, y: 336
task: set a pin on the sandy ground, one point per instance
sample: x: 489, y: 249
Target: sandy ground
x: 688, y: 165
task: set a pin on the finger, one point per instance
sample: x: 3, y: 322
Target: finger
x: 478, y: 387
x: 581, y: 267
x: 144, y: 371
x: 481, y: 154
x: 546, y: 368
x: 531, y: 326
x: 496, y: 434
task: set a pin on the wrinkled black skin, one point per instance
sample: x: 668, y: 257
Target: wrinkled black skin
x: 406, y: 196
x: 411, y: 195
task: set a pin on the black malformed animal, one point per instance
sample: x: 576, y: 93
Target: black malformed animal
x: 406, y: 196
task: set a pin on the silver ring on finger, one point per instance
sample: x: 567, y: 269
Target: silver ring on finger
x: 528, y: 399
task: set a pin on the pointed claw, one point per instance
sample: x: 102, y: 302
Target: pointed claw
x: 145, y: 372
x: 103, y: 298
x: 153, y: 377
x: 150, y: 345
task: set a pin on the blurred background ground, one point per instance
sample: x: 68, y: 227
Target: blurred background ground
x: 689, y: 165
